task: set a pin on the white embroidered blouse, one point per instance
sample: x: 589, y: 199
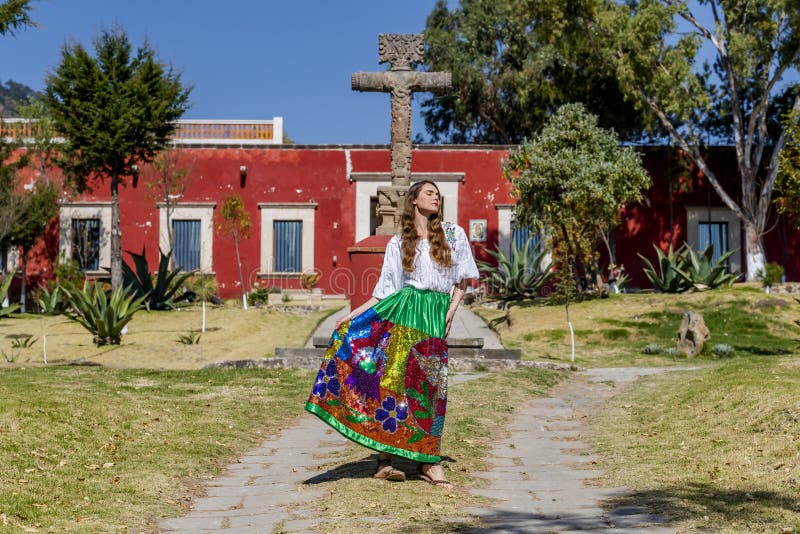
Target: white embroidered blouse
x: 427, y: 274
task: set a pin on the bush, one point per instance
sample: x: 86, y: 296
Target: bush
x: 772, y: 275
x: 517, y: 278
x: 4, y: 285
x: 160, y: 295
x: 722, y: 350
x: 259, y: 296
x: 204, y: 286
x: 67, y: 271
x: 104, y: 316
x: 652, y: 348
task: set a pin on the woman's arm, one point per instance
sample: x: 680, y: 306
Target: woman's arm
x: 459, y: 290
x: 364, y: 307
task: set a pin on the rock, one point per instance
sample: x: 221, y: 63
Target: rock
x: 692, y: 334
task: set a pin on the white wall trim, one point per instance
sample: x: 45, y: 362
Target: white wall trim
x: 505, y: 216
x: 367, y: 186
x: 698, y: 214
x: 199, y: 211
x: 85, y: 210
x: 286, y: 211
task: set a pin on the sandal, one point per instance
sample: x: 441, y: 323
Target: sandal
x: 427, y: 478
x: 385, y: 471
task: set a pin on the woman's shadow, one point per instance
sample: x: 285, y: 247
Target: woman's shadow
x: 365, y: 468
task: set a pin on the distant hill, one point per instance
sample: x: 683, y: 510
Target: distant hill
x: 11, y: 95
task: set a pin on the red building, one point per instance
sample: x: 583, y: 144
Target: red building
x: 309, y: 203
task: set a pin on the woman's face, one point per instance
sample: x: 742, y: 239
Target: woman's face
x: 427, y: 201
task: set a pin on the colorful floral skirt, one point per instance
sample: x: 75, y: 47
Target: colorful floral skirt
x: 383, y: 381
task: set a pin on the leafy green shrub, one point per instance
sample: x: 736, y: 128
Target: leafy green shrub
x: 672, y: 351
x: 773, y: 274
x: 702, y: 272
x: 722, y: 350
x: 161, y: 295
x: 652, y: 348
x: 102, y: 315
x: 667, y: 279
x: 52, y: 302
x: 519, y: 277
x: 68, y: 271
x: 259, y: 296
x: 4, y: 285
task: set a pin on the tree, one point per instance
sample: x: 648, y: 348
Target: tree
x: 571, y: 179
x: 512, y: 64
x: 167, y: 178
x: 788, y: 185
x: 15, y: 15
x: 115, y: 110
x: 236, y: 222
x: 38, y: 207
x: 653, y: 47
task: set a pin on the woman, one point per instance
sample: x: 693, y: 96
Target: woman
x: 383, y: 382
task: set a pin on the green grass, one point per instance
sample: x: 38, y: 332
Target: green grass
x: 613, y: 331
x: 718, y: 449
x: 104, y: 450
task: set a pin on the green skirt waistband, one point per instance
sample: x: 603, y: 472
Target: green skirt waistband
x: 422, y: 309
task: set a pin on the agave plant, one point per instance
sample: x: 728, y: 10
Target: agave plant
x: 161, y: 295
x: 670, y: 276
x: 702, y: 272
x: 4, y: 285
x: 519, y: 277
x: 52, y: 302
x: 104, y: 316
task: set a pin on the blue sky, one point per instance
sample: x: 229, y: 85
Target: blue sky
x: 247, y: 59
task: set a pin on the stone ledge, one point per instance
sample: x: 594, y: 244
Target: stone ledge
x: 312, y: 362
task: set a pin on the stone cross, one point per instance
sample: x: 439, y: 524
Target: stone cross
x: 401, y: 52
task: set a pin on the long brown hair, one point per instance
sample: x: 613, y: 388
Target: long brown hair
x: 440, y: 250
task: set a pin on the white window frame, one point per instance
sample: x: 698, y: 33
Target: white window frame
x: 697, y: 214
x: 286, y: 211
x: 195, y: 211
x: 85, y: 210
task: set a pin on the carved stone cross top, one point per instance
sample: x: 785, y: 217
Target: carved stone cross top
x: 401, y: 51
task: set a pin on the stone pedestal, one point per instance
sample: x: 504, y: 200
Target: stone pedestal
x: 366, y: 260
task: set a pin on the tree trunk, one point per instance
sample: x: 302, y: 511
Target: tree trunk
x: 754, y: 249
x: 239, y: 265
x: 23, y: 288
x: 116, y: 234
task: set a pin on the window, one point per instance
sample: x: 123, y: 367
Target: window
x: 716, y: 226
x: 186, y: 234
x: 520, y: 236
x: 86, y: 243
x: 192, y: 226
x: 288, y: 246
x: 287, y: 238
x: 84, y: 234
x: 713, y: 233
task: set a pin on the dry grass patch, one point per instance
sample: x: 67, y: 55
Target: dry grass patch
x: 718, y: 449
x: 106, y: 450
x: 152, y: 340
x: 613, y: 331
x: 476, y: 414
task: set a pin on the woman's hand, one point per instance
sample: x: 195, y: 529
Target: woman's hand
x: 341, y: 321
x: 451, y: 313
